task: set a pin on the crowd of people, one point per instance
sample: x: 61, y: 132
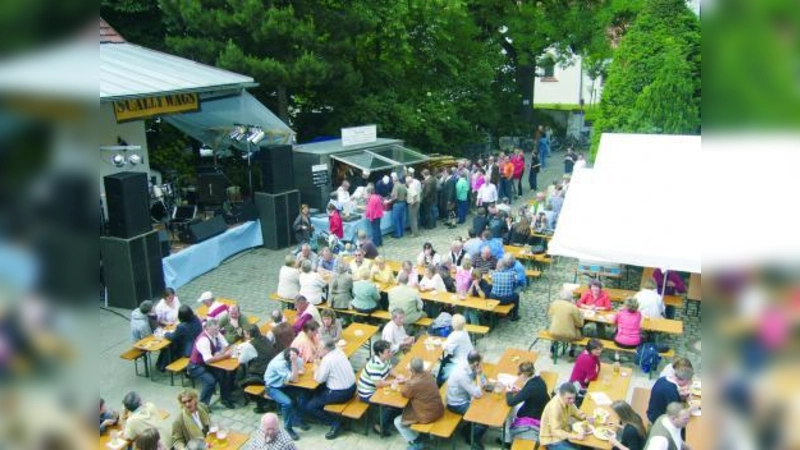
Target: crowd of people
x: 359, y: 278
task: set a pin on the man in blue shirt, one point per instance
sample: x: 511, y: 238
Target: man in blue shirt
x: 284, y: 368
x: 503, y: 282
x: 518, y: 269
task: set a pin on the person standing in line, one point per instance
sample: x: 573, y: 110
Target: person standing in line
x: 399, y: 197
x: 518, y: 160
x: 374, y: 213
x: 544, y: 149
x: 570, y: 158
x: 303, y: 229
x: 462, y: 196
x: 414, y: 191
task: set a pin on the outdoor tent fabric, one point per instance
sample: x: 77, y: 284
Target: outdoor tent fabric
x: 218, y: 117
x: 640, y: 205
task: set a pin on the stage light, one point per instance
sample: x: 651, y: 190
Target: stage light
x: 134, y: 159
x: 118, y: 160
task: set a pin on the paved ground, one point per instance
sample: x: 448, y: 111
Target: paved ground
x: 251, y: 276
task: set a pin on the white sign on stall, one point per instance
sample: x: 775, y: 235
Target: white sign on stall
x: 359, y: 135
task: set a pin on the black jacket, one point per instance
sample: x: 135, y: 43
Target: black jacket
x: 535, y: 396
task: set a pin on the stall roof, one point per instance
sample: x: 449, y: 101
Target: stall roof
x: 379, y: 155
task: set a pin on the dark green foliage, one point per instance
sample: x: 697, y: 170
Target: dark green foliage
x: 653, y: 83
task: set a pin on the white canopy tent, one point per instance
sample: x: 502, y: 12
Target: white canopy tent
x: 640, y: 205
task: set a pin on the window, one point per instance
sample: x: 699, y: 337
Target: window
x: 549, y: 69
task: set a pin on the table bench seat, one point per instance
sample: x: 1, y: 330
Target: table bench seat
x: 354, y: 409
x: 178, y: 366
x: 522, y: 444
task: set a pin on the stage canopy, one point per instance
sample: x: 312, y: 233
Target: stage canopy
x: 640, y: 204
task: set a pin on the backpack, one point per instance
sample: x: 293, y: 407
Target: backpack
x: 647, y: 357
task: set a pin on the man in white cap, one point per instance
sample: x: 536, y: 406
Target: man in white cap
x: 384, y: 186
x: 216, y: 309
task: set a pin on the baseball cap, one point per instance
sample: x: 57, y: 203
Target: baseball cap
x: 207, y: 295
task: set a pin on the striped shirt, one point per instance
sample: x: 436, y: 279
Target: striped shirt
x: 484, y: 265
x: 375, y: 370
x: 335, y: 371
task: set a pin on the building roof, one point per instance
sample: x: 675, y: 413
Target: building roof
x: 108, y: 34
x: 130, y: 71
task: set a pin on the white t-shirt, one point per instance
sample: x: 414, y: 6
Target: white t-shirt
x: 167, y: 313
x: 394, y: 334
x: 650, y: 303
x: 487, y: 193
x: 288, y: 282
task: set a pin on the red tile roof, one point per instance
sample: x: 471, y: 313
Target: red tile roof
x: 109, y: 35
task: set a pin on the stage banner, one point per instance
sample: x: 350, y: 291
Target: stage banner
x: 142, y: 108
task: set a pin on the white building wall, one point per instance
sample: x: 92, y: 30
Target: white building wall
x: 565, y: 86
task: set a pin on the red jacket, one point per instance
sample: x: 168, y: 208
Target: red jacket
x: 335, y: 221
x: 519, y: 165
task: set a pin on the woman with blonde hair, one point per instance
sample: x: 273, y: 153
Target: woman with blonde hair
x: 192, y: 422
x: 455, y: 348
x: 629, y: 325
x: 381, y: 273
x: 289, y: 278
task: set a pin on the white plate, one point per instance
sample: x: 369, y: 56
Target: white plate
x: 359, y: 333
x: 341, y: 343
x: 578, y: 427
x: 603, y: 433
x: 697, y: 413
x: 117, y: 445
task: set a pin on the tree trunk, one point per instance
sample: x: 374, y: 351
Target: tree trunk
x: 525, y: 74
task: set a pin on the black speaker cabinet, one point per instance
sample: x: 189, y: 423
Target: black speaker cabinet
x: 211, y: 188
x: 132, y: 269
x: 277, y: 213
x: 200, y: 231
x: 128, y: 203
x: 163, y: 240
x: 277, y: 168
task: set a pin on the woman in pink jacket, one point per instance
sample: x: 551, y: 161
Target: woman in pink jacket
x: 374, y: 213
x: 629, y: 325
x: 518, y: 160
x: 595, y: 298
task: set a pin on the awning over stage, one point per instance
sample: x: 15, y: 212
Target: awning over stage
x: 217, y: 118
x: 640, y: 205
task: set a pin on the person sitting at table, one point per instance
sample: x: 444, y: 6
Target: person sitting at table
x: 232, y: 325
x: 521, y: 231
x: 629, y: 325
x: 633, y: 434
x: 335, y: 221
x: 181, y: 339
x: 286, y: 367
x: 359, y: 261
x: 677, y: 363
x: 306, y: 312
x: 411, y: 271
x: 465, y: 383
x: 669, y: 389
x: 167, y: 308
x: 556, y: 429
x: 327, y: 261
x: 289, y: 278
x: 381, y: 273
x: 149, y: 439
x: 365, y: 293
x: 447, y: 271
x: 534, y: 397
x: 406, y: 298
x: 463, y: 276
x: 307, y: 341
x: 375, y: 376
x: 456, y: 347
x: 311, y: 284
x: 394, y: 332
x: 428, y: 256
x: 651, y: 304
x: 137, y: 417
x: 595, y: 298
x: 254, y: 354
x: 340, y: 287
x: 211, y: 347
x: 665, y: 433
x: 282, y: 334
x: 478, y: 287
x: 457, y: 252
x: 270, y: 436
x: 587, y: 365
x: 192, y: 422
x: 431, y: 281
x: 566, y: 321
x: 306, y: 254
x: 485, y: 262
x: 511, y: 262
x: 303, y: 229
x: 108, y: 418
x: 331, y: 326
x: 366, y: 245
x: 215, y: 308
x: 674, y: 286
x: 336, y: 374
x: 503, y: 282
x: 424, y: 403
x: 143, y: 321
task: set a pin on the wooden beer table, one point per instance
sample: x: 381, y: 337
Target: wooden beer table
x: 615, y: 386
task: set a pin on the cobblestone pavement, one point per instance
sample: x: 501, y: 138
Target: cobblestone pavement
x: 252, y: 275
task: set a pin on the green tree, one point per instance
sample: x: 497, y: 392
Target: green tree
x: 653, y: 83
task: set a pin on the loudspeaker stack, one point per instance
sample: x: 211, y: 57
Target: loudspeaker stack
x: 132, y: 269
x: 277, y: 213
x: 128, y: 203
